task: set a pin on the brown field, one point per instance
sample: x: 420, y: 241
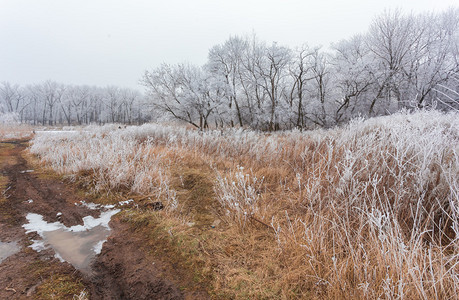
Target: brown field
x: 366, y: 211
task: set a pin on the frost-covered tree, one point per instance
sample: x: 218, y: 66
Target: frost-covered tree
x: 273, y: 71
x: 12, y: 99
x: 413, y: 54
x: 226, y: 69
x: 50, y: 94
x: 404, y: 61
x: 300, y: 71
x: 184, y: 92
x: 434, y: 57
x: 51, y: 103
x: 354, y: 77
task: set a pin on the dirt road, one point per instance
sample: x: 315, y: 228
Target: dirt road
x: 123, y: 270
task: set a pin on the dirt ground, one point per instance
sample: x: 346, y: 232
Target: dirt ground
x: 123, y: 270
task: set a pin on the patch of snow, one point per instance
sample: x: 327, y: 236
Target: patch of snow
x: 56, y: 255
x: 38, y: 245
x: 37, y: 224
x: 89, y: 205
x: 125, y: 202
x: 98, y: 247
x: 91, y: 222
x: 26, y: 171
x: 55, y: 131
x: 30, y: 201
x: 94, y: 206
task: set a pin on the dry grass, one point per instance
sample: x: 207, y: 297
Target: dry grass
x: 366, y: 211
x: 15, y: 131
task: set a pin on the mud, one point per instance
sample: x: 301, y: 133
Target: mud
x: 20, y: 273
x: 131, y: 276
x: 122, y: 270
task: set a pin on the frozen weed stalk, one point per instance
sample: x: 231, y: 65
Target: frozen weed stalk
x: 239, y: 195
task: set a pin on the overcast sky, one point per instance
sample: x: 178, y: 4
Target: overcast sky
x: 107, y: 42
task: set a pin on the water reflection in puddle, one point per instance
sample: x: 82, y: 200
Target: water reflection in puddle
x: 78, y: 244
x: 77, y: 248
x: 8, y: 249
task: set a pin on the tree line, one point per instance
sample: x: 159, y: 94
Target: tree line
x: 402, y: 61
x: 52, y: 103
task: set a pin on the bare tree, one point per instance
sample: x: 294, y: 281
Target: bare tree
x: 225, y: 66
x: 353, y: 77
x: 273, y: 70
x: 300, y: 71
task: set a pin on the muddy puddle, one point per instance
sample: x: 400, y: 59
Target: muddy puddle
x: 77, y: 245
x: 77, y: 248
x: 8, y: 249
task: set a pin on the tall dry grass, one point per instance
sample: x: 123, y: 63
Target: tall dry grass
x: 14, y: 131
x: 365, y: 211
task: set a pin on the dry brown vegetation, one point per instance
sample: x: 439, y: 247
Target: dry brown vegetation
x: 15, y: 131
x: 366, y: 211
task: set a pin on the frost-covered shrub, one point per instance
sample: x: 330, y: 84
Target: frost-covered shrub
x: 240, y: 195
x: 116, y: 161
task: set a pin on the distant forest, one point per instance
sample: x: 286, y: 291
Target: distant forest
x: 52, y: 103
x: 403, y: 61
